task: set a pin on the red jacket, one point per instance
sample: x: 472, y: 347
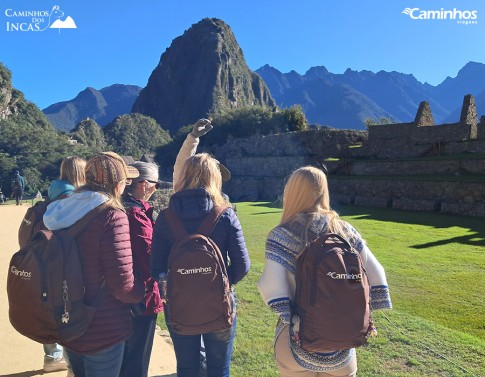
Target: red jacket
x: 105, y: 250
x: 141, y: 231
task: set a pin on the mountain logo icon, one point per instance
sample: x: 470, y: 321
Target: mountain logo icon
x: 56, y: 12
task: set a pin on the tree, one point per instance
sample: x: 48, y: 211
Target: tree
x: 242, y: 122
x: 135, y: 135
x: 295, y: 118
x: 89, y: 133
x: 27, y: 141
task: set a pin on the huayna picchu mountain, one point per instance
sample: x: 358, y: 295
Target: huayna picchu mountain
x: 101, y: 105
x: 202, y: 72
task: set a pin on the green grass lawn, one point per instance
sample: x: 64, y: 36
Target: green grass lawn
x: 435, y: 266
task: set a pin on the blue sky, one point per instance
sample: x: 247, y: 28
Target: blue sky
x: 121, y: 41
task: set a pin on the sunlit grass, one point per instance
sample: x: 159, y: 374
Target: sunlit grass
x: 435, y: 267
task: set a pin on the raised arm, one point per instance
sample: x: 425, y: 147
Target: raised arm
x: 189, y: 147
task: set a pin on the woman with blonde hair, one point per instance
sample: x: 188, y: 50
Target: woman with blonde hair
x: 72, y: 175
x: 72, y: 170
x: 199, y: 192
x: 306, y: 215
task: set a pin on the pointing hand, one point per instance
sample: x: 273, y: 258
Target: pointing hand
x: 201, y: 127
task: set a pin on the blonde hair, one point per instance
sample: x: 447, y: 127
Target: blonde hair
x: 307, y: 192
x: 73, y: 171
x: 202, y: 171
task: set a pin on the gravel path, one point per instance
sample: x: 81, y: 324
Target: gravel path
x: 22, y: 357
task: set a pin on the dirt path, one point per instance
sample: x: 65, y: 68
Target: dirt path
x: 21, y: 357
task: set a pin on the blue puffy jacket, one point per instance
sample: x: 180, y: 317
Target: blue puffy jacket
x: 191, y: 206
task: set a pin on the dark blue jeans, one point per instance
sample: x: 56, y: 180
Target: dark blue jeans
x: 218, y: 348
x: 106, y: 363
x: 138, y: 347
x: 18, y: 194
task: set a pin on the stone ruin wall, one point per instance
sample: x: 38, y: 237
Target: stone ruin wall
x: 260, y: 164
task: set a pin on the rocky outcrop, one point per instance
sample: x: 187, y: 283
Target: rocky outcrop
x: 5, y: 92
x: 202, y: 72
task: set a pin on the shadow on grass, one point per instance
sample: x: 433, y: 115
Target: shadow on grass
x: 476, y: 225
x: 275, y: 204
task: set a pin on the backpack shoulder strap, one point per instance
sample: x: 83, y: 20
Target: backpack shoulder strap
x: 76, y: 229
x: 210, y: 221
x: 79, y: 226
x: 175, y: 224
x: 322, y: 238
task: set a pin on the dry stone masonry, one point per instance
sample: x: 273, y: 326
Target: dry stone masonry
x: 415, y: 166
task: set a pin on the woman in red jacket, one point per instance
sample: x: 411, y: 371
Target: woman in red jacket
x: 105, y: 251
x: 138, y: 347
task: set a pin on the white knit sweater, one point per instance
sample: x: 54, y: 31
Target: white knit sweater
x: 277, y: 284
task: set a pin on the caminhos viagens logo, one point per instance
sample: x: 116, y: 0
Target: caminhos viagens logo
x: 23, y: 274
x: 465, y: 17
x: 335, y: 275
x: 37, y: 20
x: 197, y: 270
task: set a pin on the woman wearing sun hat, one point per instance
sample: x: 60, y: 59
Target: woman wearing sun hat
x: 105, y: 251
x: 138, y: 347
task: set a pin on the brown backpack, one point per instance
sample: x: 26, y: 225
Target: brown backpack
x: 332, y: 298
x: 45, y: 286
x: 199, y: 296
x: 32, y: 222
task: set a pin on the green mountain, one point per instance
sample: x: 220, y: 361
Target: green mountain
x: 27, y: 140
x: 203, y: 72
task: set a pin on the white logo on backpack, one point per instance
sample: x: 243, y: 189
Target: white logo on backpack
x: 197, y: 270
x: 335, y: 275
x: 23, y: 274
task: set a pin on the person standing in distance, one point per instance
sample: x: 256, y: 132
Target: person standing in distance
x: 18, y: 187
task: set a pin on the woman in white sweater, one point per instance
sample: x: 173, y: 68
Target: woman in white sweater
x: 306, y: 215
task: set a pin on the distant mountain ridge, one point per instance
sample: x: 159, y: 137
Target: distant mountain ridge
x: 371, y: 95
x: 175, y: 96
x: 101, y: 105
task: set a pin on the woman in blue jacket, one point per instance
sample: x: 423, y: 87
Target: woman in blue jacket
x: 198, y: 192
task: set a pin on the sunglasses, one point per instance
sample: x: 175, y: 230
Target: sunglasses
x: 156, y: 183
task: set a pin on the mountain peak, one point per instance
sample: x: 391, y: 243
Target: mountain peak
x: 471, y: 68
x: 207, y: 62
x: 316, y: 72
